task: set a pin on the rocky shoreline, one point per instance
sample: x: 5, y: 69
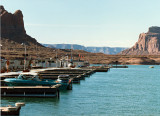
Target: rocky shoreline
x: 128, y: 60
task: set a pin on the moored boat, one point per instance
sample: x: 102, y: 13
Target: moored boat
x: 34, y: 79
x: 151, y: 67
x: 67, y: 82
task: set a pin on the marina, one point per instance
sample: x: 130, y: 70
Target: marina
x: 116, y: 92
x: 53, y: 73
x: 45, y: 81
x: 79, y: 58
x: 20, y: 83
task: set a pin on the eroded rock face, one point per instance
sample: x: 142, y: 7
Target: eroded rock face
x: 11, y: 24
x: 154, y: 29
x: 148, y: 43
x: 12, y: 27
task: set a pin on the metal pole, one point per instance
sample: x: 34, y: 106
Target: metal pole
x: 71, y: 53
x: 36, y: 51
x: 56, y: 58
x: 25, y: 58
x: 67, y: 60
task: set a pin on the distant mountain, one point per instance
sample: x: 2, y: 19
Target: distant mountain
x: 148, y: 43
x: 105, y: 50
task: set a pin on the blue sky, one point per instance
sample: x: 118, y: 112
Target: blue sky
x: 112, y: 23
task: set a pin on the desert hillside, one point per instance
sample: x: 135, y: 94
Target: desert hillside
x: 13, y: 34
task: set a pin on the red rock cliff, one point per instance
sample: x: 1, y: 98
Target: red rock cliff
x: 12, y: 27
x: 148, y: 43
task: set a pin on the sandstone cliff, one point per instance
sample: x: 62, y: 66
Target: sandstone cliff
x: 12, y: 27
x: 148, y: 43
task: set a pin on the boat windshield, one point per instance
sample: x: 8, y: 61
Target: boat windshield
x: 22, y: 77
x: 36, y: 78
x: 29, y: 77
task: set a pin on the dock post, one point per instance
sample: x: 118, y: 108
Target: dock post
x: 58, y: 93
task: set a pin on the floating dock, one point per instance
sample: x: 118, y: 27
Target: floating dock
x: 30, y: 91
x: 76, y: 74
x: 119, y: 66
x: 105, y: 69
x: 12, y: 110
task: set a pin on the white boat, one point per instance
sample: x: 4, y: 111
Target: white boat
x: 151, y: 67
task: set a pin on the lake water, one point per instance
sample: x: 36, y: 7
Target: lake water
x: 131, y: 91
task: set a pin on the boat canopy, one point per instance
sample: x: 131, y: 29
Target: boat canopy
x: 29, y: 73
x: 29, y: 76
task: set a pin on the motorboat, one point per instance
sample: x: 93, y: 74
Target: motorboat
x: 34, y: 79
x: 151, y: 67
x: 65, y: 79
x: 27, y: 79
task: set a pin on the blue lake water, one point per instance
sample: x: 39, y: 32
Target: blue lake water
x: 127, y: 91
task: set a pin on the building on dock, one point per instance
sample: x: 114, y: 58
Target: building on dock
x: 21, y: 64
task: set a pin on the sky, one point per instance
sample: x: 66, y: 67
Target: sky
x: 101, y: 23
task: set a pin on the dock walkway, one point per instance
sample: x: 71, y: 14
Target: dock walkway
x: 30, y: 91
x: 11, y: 110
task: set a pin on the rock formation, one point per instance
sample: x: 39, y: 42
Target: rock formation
x: 105, y: 50
x: 12, y: 27
x: 13, y: 34
x: 148, y: 43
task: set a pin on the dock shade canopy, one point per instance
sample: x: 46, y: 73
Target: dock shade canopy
x: 63, y: 77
